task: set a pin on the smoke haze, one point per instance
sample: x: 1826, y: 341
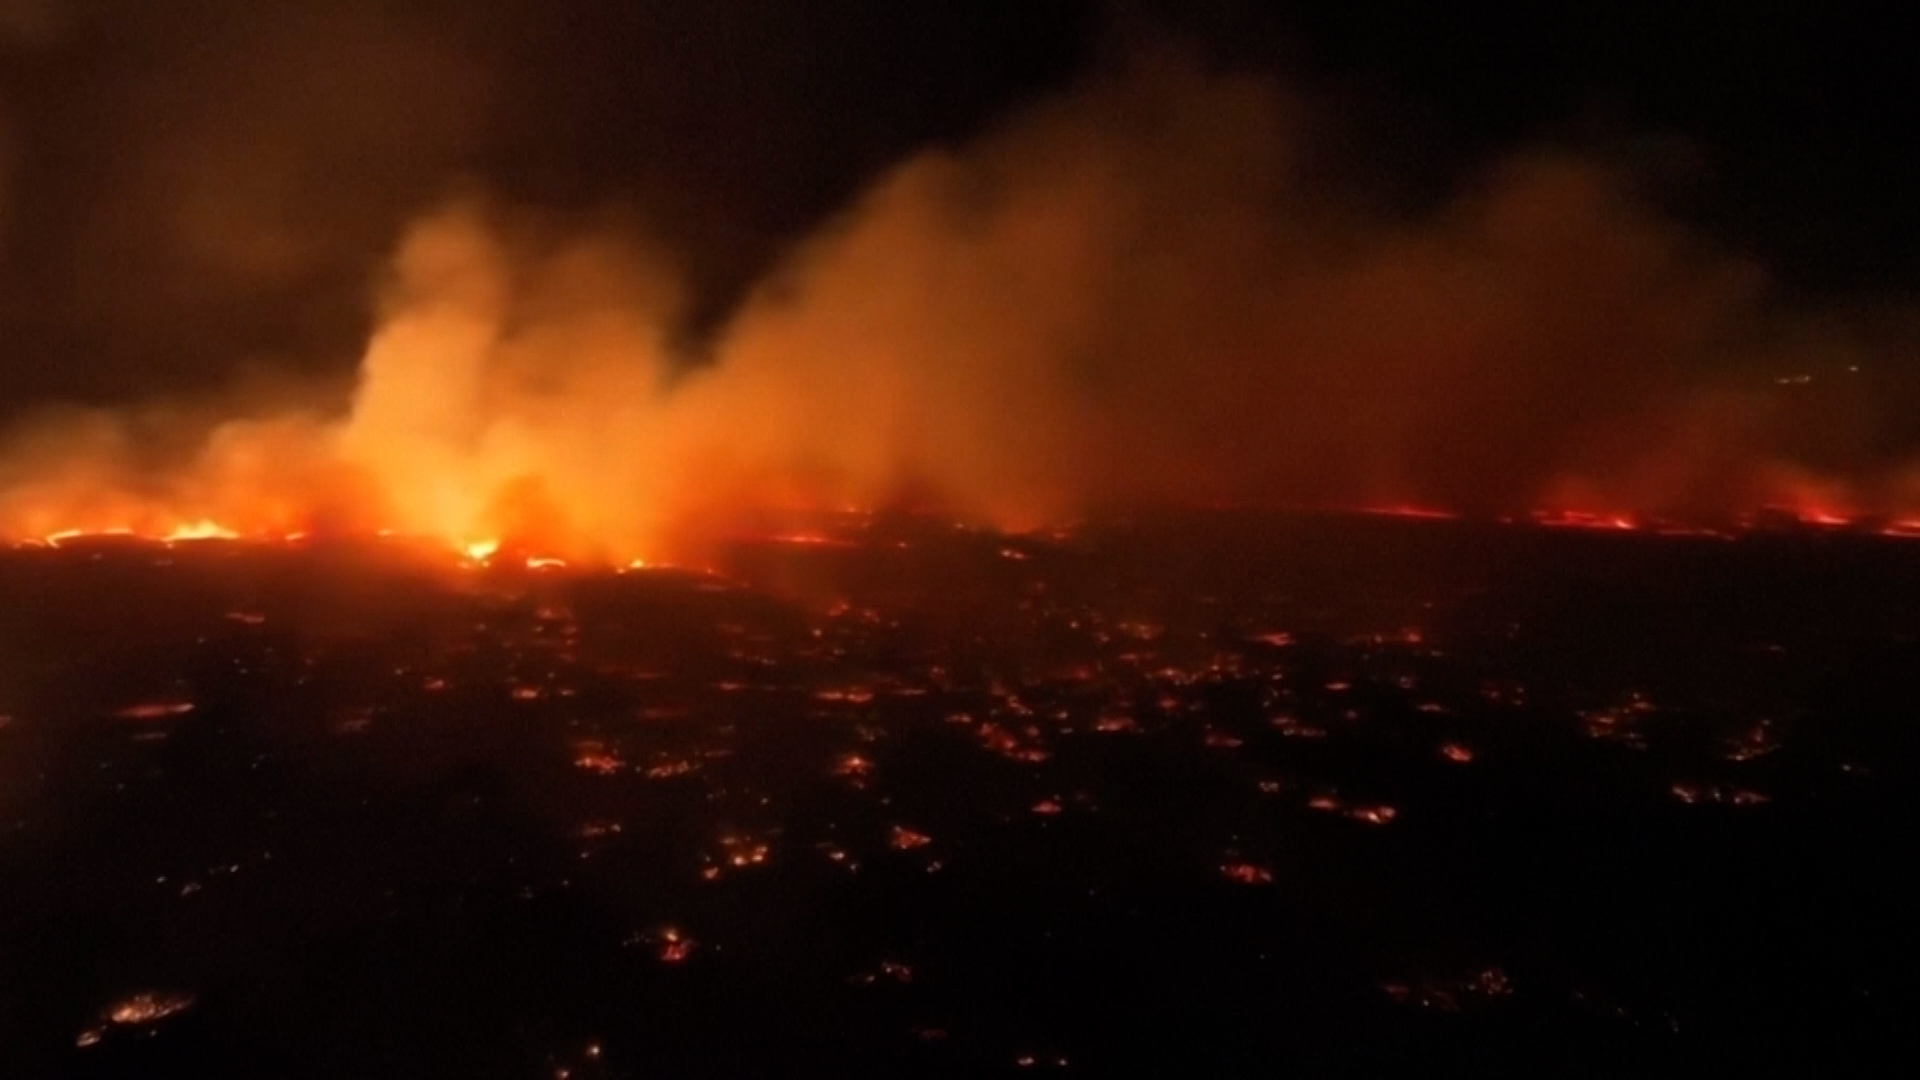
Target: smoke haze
x: 1141, y: 291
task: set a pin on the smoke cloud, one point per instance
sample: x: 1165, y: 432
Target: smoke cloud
x: 1136, y: 293
x: 202, y: 185
x: 31, y: 21
x: 6, y: 172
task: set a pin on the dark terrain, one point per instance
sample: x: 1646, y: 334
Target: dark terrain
x: 1209, y: 796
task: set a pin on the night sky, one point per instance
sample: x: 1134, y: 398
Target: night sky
x: 203, y: 187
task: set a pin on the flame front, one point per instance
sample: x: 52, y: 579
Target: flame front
x: 200, y: 530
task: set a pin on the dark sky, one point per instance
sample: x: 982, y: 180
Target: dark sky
x: 193, y: 187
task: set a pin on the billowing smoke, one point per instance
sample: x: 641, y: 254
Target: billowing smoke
x: 518, y: 386
x: 31, y: 21
x: 1135, y: 293
x: 198, y: 186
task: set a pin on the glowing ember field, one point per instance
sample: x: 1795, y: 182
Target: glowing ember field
x: 1216, y: 794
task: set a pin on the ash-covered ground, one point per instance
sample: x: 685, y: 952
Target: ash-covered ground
x: 1222, y: 795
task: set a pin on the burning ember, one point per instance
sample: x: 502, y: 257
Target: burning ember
x: 1246, y: 873
x: 139, y: 1011
x: 596, y: 758
x: 149, y: 1008
x: 905, y: 839
x: 156, y: 710
x: 672, y: 946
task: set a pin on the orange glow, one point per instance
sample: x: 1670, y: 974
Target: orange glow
x: 525, y: 386
x: 1409, y: 512
x: 157, y: 710
x: 199, y: 530
x: 596, y: 758
x: 905, y: 839
x: 675, y: 947
x: 165, y: 530
x: 1246, y: 873
x: 532, y: 519
x: 853, y: 767
x: 64, y: 535
x: 1373, y: 815
x: 805, y: 539
x: 1812, y: 513
x: 1581, y: 519
x: 149, y: 1008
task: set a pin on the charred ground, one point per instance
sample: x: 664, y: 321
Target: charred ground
x: 1193, y: 796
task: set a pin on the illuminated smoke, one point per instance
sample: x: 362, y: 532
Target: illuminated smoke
x: 1129, y: 295
x: 6, y: 173
x: 31, y: 22
x: 511, y: 392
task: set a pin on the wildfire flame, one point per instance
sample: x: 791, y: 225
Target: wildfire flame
x: 200, y: 530
x: 484, y: 552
